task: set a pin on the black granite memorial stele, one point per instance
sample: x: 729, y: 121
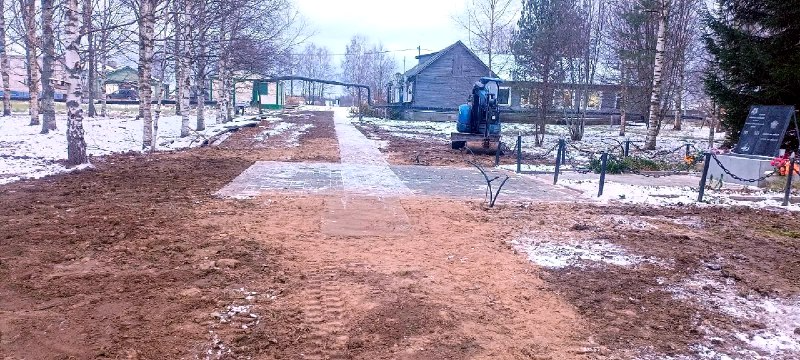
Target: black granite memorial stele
x: 764, y: 130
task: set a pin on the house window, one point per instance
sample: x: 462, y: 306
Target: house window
x: 594, y: 100
x: 565, y: 100
x: 409, y: 91
x: 504, y: 96
x: 529, y: 99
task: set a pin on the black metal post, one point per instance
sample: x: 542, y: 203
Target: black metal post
x: 704, y: 177
x: 519, y: 153
x: 627, y: 147
x: 558, y: 160
x: 788, y: 191
x: 360, y: 115
x: 603, y: 164
x: 563, y: 151
x: 688, y: 146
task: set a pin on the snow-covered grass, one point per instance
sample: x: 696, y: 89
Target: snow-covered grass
x: 555, y: 254
x: 778, y: 319
x: 674, y: 195
x: 596, y: 138
x: 25, y: 153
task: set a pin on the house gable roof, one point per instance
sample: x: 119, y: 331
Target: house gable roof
x: 123, y: 75
x: 432, y: 58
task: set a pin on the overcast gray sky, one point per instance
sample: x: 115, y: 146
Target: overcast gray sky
x: 397, y: 25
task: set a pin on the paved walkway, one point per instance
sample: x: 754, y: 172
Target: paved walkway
x: 364, y: 172
x: 365, y: 169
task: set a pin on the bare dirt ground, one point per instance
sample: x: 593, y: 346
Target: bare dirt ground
x: 431, y: 151
x: 138, y: 260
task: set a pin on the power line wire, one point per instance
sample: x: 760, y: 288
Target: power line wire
x: 372, y: 52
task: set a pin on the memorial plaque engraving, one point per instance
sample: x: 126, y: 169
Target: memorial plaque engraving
x: 764, y: 130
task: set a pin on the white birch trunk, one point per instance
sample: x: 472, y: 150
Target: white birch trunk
x: 654, y: 119
x: 176, y: 50
x: 91, y: 78
x: 104, y: 60
x: 31, y: 45
x: 200, y: 81
x: 184, y: 81
x: 76, y: 144
x: 103, y: 97
x: 48, y: 57
x: 4, y: 66
x: 222, y: 108
x: 161, y: 92
x: 186, y: 84
x: 146, y: 48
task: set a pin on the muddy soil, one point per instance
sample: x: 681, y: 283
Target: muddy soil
x: 137, y: 259
x: 432, y: 151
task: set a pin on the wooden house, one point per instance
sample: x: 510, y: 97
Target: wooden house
x: 440, y: 82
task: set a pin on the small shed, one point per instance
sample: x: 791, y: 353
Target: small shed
x: 254, y: 90
x: 127, y: 77
x: 268, y: 94
x: 123, y: 78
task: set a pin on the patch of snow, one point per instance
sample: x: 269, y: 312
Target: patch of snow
x: 633, y: 222
x: 668, y: 195
x: 25, y: 153
x: 289, y: 133
x: 559, y: 255
x: 530, y: 168
x: 780, y: 317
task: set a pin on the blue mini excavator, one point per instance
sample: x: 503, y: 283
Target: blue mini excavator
x: 479, y: 120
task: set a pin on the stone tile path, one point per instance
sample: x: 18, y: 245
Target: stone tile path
x: 364, y: 171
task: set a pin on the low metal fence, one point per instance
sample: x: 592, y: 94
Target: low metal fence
x: 565, y: 155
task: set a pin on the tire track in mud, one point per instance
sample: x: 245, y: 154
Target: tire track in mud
x: 323, y: 307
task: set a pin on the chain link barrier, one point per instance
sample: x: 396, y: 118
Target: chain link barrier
x: 657, y: 154
x: 736, y: 177
x: 572, y: 150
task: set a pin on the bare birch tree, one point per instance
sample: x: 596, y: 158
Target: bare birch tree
x: 28, y: 12
x: 48, y: 59
x: 147, y: 21
x: 113, y: 29
x: 184, y: 63
x: 91, y: 56
x: 76, y: 144
x: 654, y: 117
x: 4, y: 66
x: 685, y: 34
x: 489, y: 23
x: 199, y: 46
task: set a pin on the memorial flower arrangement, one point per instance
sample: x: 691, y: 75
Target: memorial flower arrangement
x: 782, y: 164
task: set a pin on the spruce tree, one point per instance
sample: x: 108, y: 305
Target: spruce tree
x: 755, y: 49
